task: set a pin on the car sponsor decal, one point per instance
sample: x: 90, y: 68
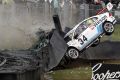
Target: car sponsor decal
x: 101, y: 20
x: 92, y: 27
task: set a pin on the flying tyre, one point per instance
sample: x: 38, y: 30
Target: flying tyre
x: 108, y: 28
x: 72, y: 53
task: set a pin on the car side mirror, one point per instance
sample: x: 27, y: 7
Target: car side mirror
x: 76, y: 36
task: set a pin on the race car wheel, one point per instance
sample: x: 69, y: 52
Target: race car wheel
x: 96, y: 42
x: 72, y: 53
x: 108, y: 28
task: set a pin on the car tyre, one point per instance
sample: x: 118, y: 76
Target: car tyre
x: 72, y: 53
x: 108, y: 28
x: 97, y: 41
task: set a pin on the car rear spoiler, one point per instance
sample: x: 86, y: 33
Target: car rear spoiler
x: 108, y: 7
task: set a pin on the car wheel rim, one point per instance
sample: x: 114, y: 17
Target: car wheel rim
x: 73, y: 53
x: 109, y: 27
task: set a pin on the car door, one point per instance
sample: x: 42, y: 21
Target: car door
x: 86, y: 32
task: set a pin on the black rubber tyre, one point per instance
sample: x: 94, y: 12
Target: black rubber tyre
x: 96, y: 43
x: 72, y: 53
x: 108, y: 28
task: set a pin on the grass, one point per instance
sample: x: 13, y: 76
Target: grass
x: 116, y: 34
x: 81, y: 73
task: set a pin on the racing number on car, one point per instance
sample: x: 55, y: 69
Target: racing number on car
x: 82, y: 40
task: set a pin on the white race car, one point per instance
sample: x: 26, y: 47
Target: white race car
x: 88, y: 32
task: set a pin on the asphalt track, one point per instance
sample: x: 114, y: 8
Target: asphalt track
x: 105, y: 50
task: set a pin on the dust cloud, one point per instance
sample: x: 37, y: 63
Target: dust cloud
x: 19, y: 22
x: 21, y: 19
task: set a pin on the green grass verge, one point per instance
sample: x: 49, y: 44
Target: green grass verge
x: 116, y: 34
x: 81, y: 73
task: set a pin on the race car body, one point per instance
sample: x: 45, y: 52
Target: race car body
x: 88, y: 33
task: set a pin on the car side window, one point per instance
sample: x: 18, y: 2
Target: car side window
x: 95, y: 19
x: 91, y: 21
x: 80, y: 29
